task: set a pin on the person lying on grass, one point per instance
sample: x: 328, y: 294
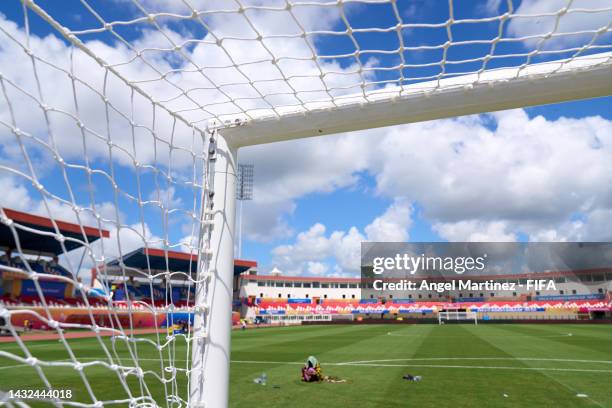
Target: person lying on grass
x: 311, y: 372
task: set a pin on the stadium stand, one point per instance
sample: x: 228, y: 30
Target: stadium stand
x: 128, y: 286
x: 579, y: 295
x: 129, y: 294
x: 132, y: 280
x: 39, y: 254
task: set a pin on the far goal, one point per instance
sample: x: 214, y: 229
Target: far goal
x: 458, y: 317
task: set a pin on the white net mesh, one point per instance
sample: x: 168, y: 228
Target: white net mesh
x: 219, y: 59
x: 105, y: 112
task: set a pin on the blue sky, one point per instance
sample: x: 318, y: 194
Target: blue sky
x: 315, y: 198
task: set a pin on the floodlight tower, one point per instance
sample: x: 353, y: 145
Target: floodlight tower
x: 244, y: 192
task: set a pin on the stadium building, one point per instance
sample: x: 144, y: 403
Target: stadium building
x: 582, y: 294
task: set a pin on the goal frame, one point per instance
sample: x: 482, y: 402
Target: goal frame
x: 508, y: 88
x: 501, y: 89
x: 454, y: 315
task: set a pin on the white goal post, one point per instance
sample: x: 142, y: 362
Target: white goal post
x: 457, y: 316
x: 122, y: 136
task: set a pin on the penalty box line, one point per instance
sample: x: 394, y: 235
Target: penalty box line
x: 386, y: 363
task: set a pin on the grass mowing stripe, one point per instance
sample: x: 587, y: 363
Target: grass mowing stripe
x: 461, y: 365
x: 543, y: 344
x: 576, y: 339
x: 482, y: 339
x: 300, y: 345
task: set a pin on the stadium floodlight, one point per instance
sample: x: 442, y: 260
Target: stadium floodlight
x: 244, y: 192
x: 244, y: 182
x: 149, y: 113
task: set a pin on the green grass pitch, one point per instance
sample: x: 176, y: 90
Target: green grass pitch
x: 492, y: 365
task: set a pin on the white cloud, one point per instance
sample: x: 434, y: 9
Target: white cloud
x: 491, y: 7
x: 166, y: 197
x: 475, y: 231
x: 65, y: 137
x: 393, y: 225
x: 597, y: 227
x: 18, y: 198
x: 314, y: 245
x: 541, y: 24
x: 525, y: 170
x: 314, y: 249
x: 265, y: 222
x: 317, y: 268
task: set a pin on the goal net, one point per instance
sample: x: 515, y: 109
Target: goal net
x: 119, y: 129
x: 457, y: 316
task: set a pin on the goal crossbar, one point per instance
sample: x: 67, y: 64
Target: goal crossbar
x: 493, y: 90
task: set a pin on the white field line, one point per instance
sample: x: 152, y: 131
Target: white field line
x: 363, y: 364
x: 483, y: 337
x: 481, y: 367
x: 563, y: 360
x: 385, y: 363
